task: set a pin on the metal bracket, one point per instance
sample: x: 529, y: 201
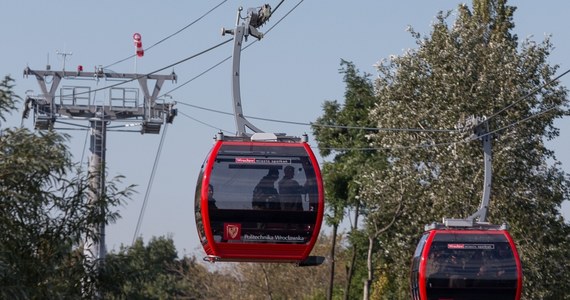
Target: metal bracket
x: 254, y: 20
x: 482, y: 132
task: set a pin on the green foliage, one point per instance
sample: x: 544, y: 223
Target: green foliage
x: 473, y: 67
x: 8, y: 99
x: 45, y: 214
x: 280, y: 281
x: 144, y: 272
x: 341, y: 132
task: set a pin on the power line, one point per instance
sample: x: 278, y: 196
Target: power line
x: 323, y: 125
x: 204, y: 123
x: 171, y: 35
x: 229, y: 57
x: 197, y: 76
x: 369, y: 128
x: 529, y: 94
x: 523, y: 120
x: 450, y: 143
x: 391, y: 148
x: 279, y: 21
x: 155, y: 71
x: 150, y: 181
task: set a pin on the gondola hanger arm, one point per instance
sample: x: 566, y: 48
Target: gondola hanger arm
x: 256, y: 17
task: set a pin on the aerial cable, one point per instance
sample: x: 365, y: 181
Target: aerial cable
x: 447, y: 143
x: 324, y: 125
x: 155, y: 71
x: 205, y: 108
x: 150, y: 181
x: 166, y: 38
x: 279, y: 21
x: 229, y: 57
x: 521, y: 121
x: 204, y: 123
x: 389, y: 148
x: 73, y: 124
x: 534, y: 91
x: 197, y: 76
x: 275, y: 9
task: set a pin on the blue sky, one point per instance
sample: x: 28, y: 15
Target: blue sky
x: 285, y: 76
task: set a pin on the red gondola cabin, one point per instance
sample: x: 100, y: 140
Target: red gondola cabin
x: 466, y: 263
x: 259, y: 202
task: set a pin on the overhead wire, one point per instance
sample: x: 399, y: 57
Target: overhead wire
x: 391, y: 147
x: 322, y: 125
x: 373, y: 129
x: 204, y: 123
x: 150, y: 182
x: 522, y: 120
x: 155, y: 71
x: 229, y: 57
x: 171, y: 35
x: 534, y: 91
x: 456, y: 142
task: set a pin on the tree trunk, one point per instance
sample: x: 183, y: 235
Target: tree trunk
x: 353, y: 259
x: 331, y: 277
x: 368, y: 281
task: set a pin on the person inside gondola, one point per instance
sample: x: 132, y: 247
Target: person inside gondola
x: 265, y: 194
x: 211, y: 200
x: 290, y: 191
x: 217, y: 227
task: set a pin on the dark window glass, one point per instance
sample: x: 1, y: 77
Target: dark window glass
x: 267, y: 193
x: 198, y: 207
x: 478, y: 264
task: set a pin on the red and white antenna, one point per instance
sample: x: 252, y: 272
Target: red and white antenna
x: 138, y: 44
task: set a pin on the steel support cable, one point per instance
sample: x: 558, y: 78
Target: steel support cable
x: 330, y: 148
x: 392, y: 147
x: 229, y: 57
x: 521, y: 121
x: 155, y: 71
x: 276, y: 8
x: 150, y: 181
x: 450, y: 143
x: 529, y: 94
x: 204, y: 123
x: 171, y: 35
x: 323, y: 125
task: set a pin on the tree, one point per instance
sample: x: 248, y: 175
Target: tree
x: 342, y: 133
x: 474, y: 67
x: 277, y: 280
x: 8, y: 99
x: 154, y: 272
x: 45, y: 213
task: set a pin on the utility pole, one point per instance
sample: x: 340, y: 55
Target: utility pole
x: 74, y: 104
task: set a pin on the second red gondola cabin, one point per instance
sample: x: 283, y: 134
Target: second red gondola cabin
x: 480, y: 262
